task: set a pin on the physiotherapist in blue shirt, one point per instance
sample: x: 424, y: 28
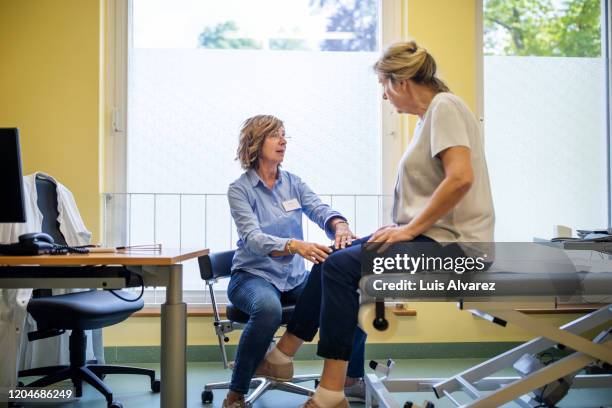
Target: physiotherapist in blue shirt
x: 268, y: 268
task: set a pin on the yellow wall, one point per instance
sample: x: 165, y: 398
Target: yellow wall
x: 50, y: 89
x: 447, y: 29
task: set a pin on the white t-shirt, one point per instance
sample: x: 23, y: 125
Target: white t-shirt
x: 447, y: 122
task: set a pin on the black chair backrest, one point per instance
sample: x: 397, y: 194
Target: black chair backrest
x: 46, y: 191
x: 217, y: 265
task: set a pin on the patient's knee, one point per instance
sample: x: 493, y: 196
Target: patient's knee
x: 339, y: 267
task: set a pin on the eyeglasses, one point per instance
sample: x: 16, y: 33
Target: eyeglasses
x: 277, y: 135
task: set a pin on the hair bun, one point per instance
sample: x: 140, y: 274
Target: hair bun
x: 412, y: 47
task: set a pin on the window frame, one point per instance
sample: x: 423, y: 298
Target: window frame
x: 117, y: 21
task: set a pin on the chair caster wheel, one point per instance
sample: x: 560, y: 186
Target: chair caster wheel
x: 426, y: 404
x: 207, y: 397
x: 155, y: 386
x: 115, y: 404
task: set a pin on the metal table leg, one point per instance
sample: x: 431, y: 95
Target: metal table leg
x: 174, y: 343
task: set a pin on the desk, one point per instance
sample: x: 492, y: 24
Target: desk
x: 161, y: 268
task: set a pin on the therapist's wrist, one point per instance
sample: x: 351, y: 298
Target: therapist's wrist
x: 335, y: 222
x: 290, y: 247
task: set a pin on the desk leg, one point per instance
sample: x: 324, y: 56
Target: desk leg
x: 174, y: 343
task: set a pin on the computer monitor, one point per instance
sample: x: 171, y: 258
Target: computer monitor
x: 11, y: 181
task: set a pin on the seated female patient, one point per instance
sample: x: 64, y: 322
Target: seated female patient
x: 442, y: 196
x: 268, y: 269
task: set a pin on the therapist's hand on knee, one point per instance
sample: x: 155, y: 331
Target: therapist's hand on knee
x: 343, y: 236
x: 311, y: 251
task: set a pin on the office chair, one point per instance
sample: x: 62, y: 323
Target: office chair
x: 218, y: 266
x: 78, y: 312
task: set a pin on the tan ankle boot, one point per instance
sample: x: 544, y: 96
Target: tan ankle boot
x: 278, y: 372
x: 312, y: 404
x: 236, y: 404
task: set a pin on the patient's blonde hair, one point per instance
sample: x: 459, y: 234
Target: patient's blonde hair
x: 406, y: 60
x: 252, y: 136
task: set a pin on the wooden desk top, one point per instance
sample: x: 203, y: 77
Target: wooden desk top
x: 134, y: 257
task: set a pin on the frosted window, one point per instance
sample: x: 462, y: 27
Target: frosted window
x: 545, y: 144
x: 186, y: 108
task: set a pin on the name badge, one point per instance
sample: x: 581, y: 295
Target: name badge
x: 291, y: 205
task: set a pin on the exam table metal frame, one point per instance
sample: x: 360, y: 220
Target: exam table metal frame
x: 475, y: 381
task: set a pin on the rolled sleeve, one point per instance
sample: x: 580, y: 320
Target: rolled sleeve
x: 316, y: 210
x: 249, y: 230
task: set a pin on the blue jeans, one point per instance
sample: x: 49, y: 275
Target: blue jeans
x: 337, y: 312
x: 263, y: 302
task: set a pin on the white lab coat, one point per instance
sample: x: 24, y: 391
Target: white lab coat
x: 17, y: 353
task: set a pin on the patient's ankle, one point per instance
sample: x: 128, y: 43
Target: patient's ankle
x: 289, y: 344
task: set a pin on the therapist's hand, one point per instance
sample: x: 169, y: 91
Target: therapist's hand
x: 311, y: 251
x: 343, y: 235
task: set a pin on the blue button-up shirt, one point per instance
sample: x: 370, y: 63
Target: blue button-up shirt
x: 264, y: 225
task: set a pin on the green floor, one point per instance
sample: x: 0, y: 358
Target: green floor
x: 134, y: 392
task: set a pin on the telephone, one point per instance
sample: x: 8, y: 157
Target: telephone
x: 38, y: 243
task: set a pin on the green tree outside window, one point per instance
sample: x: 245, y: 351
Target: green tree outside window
x: 555, y: 28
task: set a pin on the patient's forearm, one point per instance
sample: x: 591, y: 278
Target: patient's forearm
x: 445, y: 198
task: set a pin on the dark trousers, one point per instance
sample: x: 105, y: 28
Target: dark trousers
x: 335, y: 305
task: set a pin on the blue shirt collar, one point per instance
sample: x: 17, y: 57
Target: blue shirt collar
x: 255, y: 179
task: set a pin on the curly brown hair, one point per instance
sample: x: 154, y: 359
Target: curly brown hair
x: 252, y: 136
